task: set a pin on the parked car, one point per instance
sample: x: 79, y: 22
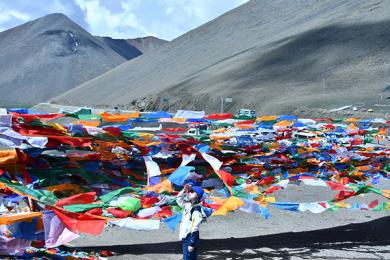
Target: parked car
x: 246, y: 112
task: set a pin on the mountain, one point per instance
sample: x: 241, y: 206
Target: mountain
x: 277, y: 57
x: 147, y: 44
x: 131, y: 48
x: 121, y: 46
x: 48, y: 56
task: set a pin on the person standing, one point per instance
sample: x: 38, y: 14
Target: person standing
x: 190, y: 199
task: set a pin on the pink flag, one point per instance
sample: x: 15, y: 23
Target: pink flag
x: 56, y: 233
x: 13, y: 246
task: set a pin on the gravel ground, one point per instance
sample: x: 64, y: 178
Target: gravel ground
x: 343, y: 234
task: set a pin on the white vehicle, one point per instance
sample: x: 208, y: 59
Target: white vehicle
x: 263, y: 135
x: 303, y: 135
x: 198, y: 129
x: 193, y: 131
x: 146, y: 129
x: 263, y: 131
x: 310, y: 137
x: 246, y: 112
x: 232, y: 141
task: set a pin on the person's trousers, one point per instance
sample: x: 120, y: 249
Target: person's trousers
x: 189, y: 255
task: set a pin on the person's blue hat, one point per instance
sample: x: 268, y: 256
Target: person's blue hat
x: 199, y: 191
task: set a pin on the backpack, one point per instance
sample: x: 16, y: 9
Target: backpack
x: 197, y: 208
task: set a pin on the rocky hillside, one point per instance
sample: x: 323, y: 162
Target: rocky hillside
x: 277, y: 56
x: 48, y: 56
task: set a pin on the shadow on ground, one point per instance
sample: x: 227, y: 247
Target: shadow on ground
x: 352, y: 238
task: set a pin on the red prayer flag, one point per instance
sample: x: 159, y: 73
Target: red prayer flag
x: 273, y: 189
x: 218, y: 116
x: 165, y: 212
x: 335, y: 186
x: 344, y: 195
x: 226, y: 177
x: 373, y: 204
x: 42, y: 117
x: 81, y: 223
x: 119, y: 213
x: 96, y: 212
x: 83, y: 198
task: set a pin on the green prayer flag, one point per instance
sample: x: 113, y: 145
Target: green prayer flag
x: 82, y: 207
x: 109, y: 196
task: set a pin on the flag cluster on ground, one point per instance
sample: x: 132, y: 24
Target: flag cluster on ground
x: 77, y: 172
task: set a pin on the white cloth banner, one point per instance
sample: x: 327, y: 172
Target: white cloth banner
x: 214, y: 162
x: 307, y: 121
x: 37, y: 141
x: 250, y: 206
x: 313, y: 207
x: 152, y: 167
x: 10, y: 138
x: 143, y: 213
x: 137, y: 224
x: 164, y: 199
x: 5, y: 120
x: 91, y: 130
x: 187, y: 159
x: 379, y: 120
x: 282, y: 183
x: 189, y: 114
x: 314, y: 182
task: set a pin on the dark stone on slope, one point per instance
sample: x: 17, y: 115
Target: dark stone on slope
x: 122, y: 47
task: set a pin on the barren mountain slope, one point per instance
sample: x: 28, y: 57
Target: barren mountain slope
x: 45, y: 57
x: 275, y: 56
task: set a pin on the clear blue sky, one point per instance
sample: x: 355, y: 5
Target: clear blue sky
x: 165, y: 19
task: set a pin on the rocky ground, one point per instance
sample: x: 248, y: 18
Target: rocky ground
x: 343, y: 234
